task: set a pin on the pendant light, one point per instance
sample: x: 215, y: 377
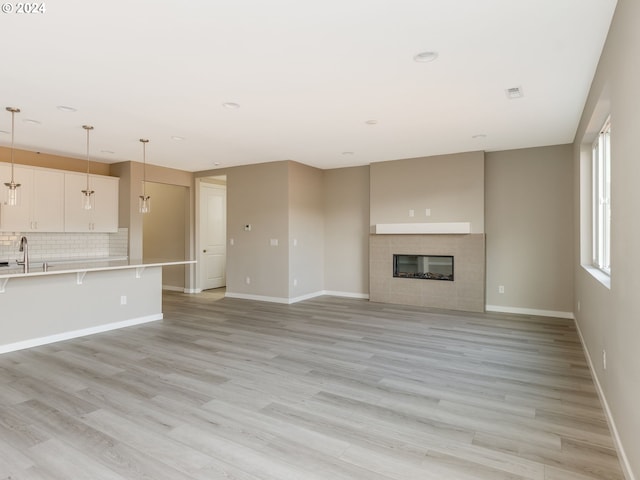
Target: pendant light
x: 13, y: 198
x: 87, y: 194
x: 144, y: 200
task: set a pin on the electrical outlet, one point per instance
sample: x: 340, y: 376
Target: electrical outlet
x: 295, y: 282
x: 500, y: 288
x: 273, y: 242
x: 123, y: 300
x: 247, y: 280
x: 427, y: 212
x: 578, y: 305
x: 604, y: 359
x: 232, y: 242
x: 412, y: 212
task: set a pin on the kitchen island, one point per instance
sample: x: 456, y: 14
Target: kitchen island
x: 75, y: 298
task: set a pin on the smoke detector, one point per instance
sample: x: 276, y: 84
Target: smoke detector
x: 514, y: 92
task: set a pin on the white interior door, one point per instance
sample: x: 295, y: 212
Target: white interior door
x: 213, y: 236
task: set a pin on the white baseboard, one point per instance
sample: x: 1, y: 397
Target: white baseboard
x: 59, y: 337
x: 307, y: 296
x: 260, y: 298
x: 289, y: 301
x: 172, y: 288
x: 335, y: 293
x: 529, y: 311
x: 624, y: 460
x: 191, y: 290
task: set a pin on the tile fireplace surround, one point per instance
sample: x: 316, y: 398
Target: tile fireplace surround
x: 466, y: 292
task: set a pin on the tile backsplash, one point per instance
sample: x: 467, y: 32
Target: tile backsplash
x: 59, y: 246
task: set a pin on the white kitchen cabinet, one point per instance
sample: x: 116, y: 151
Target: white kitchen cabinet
x: 41, y: 205
x: 103, y: 217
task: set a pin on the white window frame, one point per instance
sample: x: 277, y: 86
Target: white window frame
x: 601, y: 205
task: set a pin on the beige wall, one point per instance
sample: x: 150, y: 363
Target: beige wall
x: 306, y: 230
x: 451, y: 186
x: 163, y: 230
x: 258, y: 195
x: 46, y: 160
x: 325, y: 212
x: 528, y: 205
x: 131, y: 175
x: 346, y: 239
x: 609, y: 318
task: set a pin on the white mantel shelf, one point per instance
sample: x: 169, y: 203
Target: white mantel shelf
x: 422, y: 228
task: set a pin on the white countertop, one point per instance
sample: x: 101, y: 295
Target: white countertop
x: 58, y: 267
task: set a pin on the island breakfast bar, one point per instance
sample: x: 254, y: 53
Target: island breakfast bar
x: 64, y: 300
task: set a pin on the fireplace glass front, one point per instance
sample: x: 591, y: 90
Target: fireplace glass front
x: 426, y: 267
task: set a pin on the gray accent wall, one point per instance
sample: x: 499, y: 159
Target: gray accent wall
x: 163, y: 230
x: 609, y: 316
x: 529, y: 227
x: 258, y: 195
x: 306, y: 230
x: 320, y: 220
x: 346, y: 240
x: 451, y: 186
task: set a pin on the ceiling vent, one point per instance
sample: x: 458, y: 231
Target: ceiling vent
x: 514, y: 92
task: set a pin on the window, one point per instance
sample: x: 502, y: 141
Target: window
x: 602, y: 199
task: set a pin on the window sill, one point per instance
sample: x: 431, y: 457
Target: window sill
x: 599, y: 275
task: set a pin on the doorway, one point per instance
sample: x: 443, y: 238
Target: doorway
x: 212, y: 255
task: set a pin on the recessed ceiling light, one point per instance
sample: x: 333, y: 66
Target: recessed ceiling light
x: 479, y: 136
x: 65, y: 108
x: 348, y: 153
x: 32, y: 121
x: 216, y: 164
x: 371, y: 122
x: 425, y: 57
x: 514, y: 92
x: 110, y: 152
x: 177, y: 138
x: 231, y: 105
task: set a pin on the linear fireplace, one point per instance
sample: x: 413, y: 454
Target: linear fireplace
x: 466, y: 293
x: 424, y: 267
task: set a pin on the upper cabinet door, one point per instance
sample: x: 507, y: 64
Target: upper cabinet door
x: 76, y: 218
x: 104, y: 215
x: 48, y: 201
x: 16, y: 218
x: 40, y: 207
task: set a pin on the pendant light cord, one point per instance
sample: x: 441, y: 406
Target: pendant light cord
x: 144, y: 142
x: 87, y: 128
x: 144, y: 168
x: 13, y: 120
x: 13, y: 111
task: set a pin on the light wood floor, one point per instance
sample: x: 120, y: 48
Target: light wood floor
x: 324, y: 389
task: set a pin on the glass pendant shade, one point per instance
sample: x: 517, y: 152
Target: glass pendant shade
x: 12, y: 198
x: 144, y: 200
x: 12, y: 194
x: 87, y: 199
x: 144, y: 204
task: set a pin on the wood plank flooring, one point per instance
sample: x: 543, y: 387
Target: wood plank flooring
x: 328, y: 388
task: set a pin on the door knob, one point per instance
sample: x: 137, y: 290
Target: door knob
x: 204, y: 251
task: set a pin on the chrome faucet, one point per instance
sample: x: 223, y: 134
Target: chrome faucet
x: 24, y: 247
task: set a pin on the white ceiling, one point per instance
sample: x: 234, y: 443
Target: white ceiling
x: 307, y: 75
